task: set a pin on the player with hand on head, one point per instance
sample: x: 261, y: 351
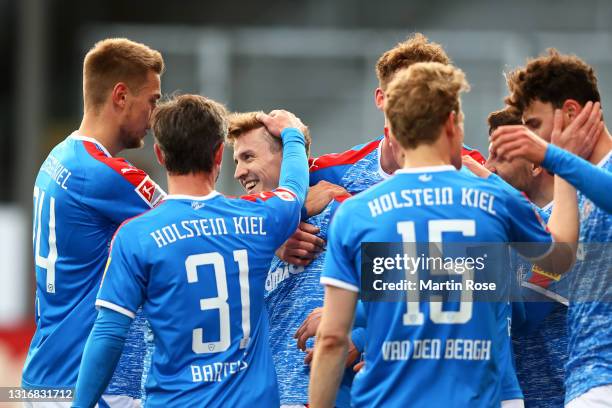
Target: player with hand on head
x: 423, y: 110
x: 291, y: 291
x: 562, y: 155
x: 82, y: 194
x: 545, y: 84
x: 197, y: 263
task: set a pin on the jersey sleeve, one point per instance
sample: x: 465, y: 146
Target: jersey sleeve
x: 594, y: 182
x: 123, y: 283
x: 332, y: 167
x: 118, y: 190
x: 527, y: 228
x: 283, y: 210
x: 294, y: 168
x: 340, y: 269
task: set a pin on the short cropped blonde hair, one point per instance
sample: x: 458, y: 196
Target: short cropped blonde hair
x: 419, y: 100
x: 117, y: 60
x: 241, y: 123
x: 414, y: 49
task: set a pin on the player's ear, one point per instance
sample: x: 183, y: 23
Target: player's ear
x: 450, y: 125
x: 219, y: 155
x: 379, y: 98
x: 159, y: 155
x: 571, y: 108
x: 536, y: 170
x: 119, y: 94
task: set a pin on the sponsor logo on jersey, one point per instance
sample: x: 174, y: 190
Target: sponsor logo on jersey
x: 539, y: 271
x: 149, y: 191
x: 278, y: 275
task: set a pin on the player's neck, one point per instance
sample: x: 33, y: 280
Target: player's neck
x: 541, y: 191
x: 198, y: 184
x: 425, y: 156
x: 602, y: 147
x: 104, y: 131
x: 387, y: 161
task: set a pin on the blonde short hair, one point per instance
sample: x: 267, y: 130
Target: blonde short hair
x: 419, y: 100
x: 414, y: 49
x: 241, y: 123
x: 117, y: 60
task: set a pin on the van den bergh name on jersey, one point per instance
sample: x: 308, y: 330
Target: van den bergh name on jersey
x: 245, y: 225
x: 434, y: 196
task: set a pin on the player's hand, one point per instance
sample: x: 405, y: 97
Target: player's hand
x: 302, y: 247
x: 475, y: 167
x: 279, y: 119
x: 320, y: 195
x: 359, y: 366
x: 308, y: 328
x: 581, y: 135
x: 351, y: 357
x: 512, y: 141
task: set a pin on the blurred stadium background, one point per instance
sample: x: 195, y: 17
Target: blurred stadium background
x: 313, y: 57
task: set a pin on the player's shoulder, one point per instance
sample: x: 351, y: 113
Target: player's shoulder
x: 96, y: 156
x: 107, y: 174
x: 328, y: 162
x: 354, y: 203
x: 143, y: 222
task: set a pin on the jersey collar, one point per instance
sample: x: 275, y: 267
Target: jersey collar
x: 428, y: 169
x: 547, y: 207
x: 77, y: 136
x: 208, y: 196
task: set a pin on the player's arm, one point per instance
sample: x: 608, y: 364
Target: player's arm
x: 294, y: 166
x: 120, y: 295
x: 341, y: 277
x: 304, y: 246
x: 594, y: 182
x: 553, y: 246
x: 100, y: 357
x: 331, y: 346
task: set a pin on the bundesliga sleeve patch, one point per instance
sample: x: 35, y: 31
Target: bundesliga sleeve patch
x: 281, y: 193
x: 284, y: 194
x: 149, y: 191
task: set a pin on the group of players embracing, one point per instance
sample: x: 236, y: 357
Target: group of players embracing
x: 198, y: 299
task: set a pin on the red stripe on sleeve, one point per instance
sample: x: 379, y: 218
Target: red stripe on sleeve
x: 474, y: 154
x: 338, y: 159
x: 130, y: 173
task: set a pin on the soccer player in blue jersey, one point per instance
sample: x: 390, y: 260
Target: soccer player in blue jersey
x: 566, y: 83
x: 539, y: 329
x: 197, y: 263
x: 82, y: 194
x: 291, y: 291
x: 423, y: 111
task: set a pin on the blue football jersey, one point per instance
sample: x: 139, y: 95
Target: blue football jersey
x: 541, y: 351
x: 81, y: 196
x: 415, y: 352
x: 292, y: 292
x: 198, y: 267
x: 589, y: 330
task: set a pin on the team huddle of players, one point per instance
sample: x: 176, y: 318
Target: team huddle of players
x: 212, y: 300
